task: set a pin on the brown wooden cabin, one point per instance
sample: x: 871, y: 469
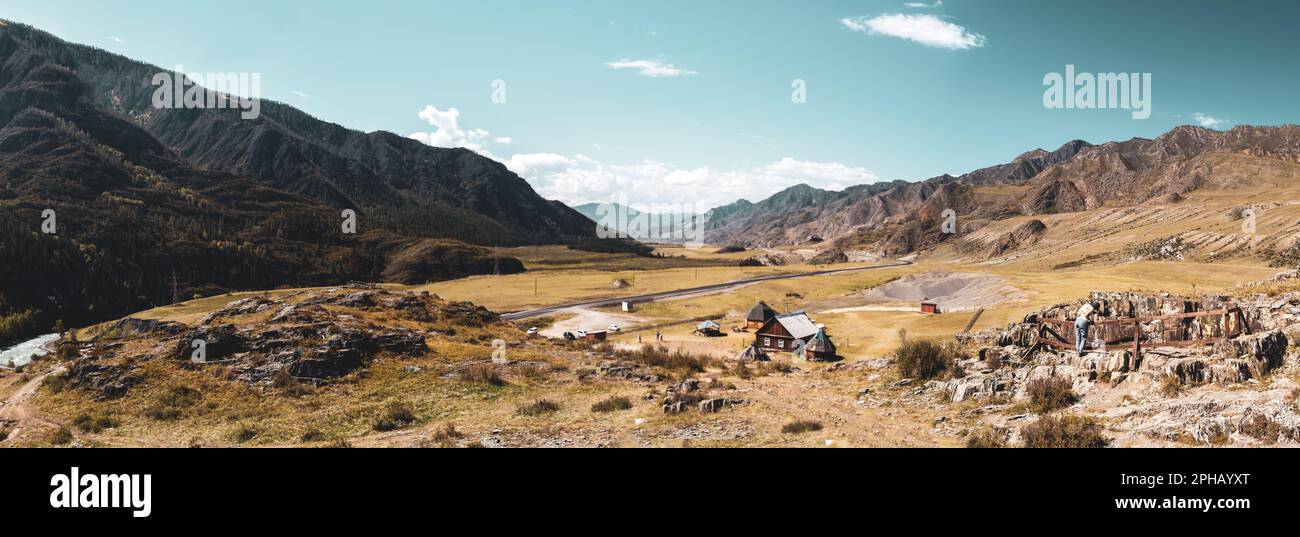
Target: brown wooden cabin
x: 758, y: 316
x: 783, y: 333
x: 597, y: 336
x: 929, y: 307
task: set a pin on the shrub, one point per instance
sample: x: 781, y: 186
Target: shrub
x: 171, y: 404
x: 446, y: 437
x: 338, y: 444
x: 292, y: 387
x: 731, y: 249
x: 312, y: 435
x: 56, y: 383
x: 1170, y: 386
x: 985, y: 440
x: 612, y: 404
x: 925, y: 359
x: 244, y: 433
x: 1265, y: 429
x: 90, y: 424
x: 396, y: 416
x: 482, y: 374
x: 660, y: 356
x: 801, y: 426
x: 1051, y: 393
x: 61, y: 437
x: 1067, y: 431
x: 537, y: 408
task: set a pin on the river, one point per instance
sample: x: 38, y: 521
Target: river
x: 21, y: 353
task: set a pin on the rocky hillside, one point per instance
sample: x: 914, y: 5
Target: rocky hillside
x: 885, y: 215
x: 154, y: 205
x: 401, y: 183
x: 1240, y: 390
x: 898, y: 218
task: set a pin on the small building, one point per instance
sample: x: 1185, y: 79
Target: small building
x: 597, y: 336
x: 753, y: 354
x: 930, y: 307
x: 819, y: 348
x: 759, y: 315
x: 708, y: 329
x: 784, y: 333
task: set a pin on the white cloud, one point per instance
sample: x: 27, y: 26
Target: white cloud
x: 581, y: 179
x: 301, y: 94
x: 116, y: 39
x: 927, y: 30
x: 1210, y: 122
x: 923, y: 5
x: 450, y: 134
x: 651, y: 68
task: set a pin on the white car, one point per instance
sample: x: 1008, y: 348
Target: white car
x: 582, y: 333
x: 613, y: 328
x: 532, y: 331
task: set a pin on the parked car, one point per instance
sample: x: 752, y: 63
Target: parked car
x: 613, y: 328
x: 532, y: 331
x: 582, y: 333
x: 569, y: 336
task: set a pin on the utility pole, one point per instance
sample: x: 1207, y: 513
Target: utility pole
x: 176, y: 294
x: 534, y: 285
x: 496, y: 261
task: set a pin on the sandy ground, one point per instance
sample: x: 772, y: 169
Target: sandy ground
x: 589, y: 320
x: 950, y: 290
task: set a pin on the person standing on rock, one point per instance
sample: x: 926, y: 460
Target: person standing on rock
x: 1081, y: 324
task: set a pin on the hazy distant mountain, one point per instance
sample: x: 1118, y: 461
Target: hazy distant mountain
x: 634, y: 224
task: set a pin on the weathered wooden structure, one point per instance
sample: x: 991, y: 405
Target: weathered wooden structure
x: 1125, y: 321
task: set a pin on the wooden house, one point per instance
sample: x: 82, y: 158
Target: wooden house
x: 758, y: 316
x: 929, y: 307
x: 597, y: 336
x: 784, y: 333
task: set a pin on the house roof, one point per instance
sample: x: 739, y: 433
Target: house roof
x: 820, y: 342
x: 761, y: 312
x: 798, y: 325
x: 708, y: 325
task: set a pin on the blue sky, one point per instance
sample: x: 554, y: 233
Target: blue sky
x: 690, y: 101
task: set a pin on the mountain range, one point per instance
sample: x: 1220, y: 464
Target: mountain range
x: 156, y: 204
x: 898, y: 218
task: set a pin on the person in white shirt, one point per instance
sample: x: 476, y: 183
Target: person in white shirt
x: 1081, y: 324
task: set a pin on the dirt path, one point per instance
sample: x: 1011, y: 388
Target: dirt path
x: 16, y: 411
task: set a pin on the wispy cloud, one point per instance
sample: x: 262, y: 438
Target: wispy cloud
x: 582, y: 179
x: 1210, y: 122
x: 927, y: 30
x: 923, y: 5
x: 116, y: 39
x: 301, y: 95
x: 651, y: 68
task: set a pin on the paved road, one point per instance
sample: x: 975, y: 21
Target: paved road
x: 525, y: 314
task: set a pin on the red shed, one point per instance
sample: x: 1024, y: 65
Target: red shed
x: 929, y: 307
